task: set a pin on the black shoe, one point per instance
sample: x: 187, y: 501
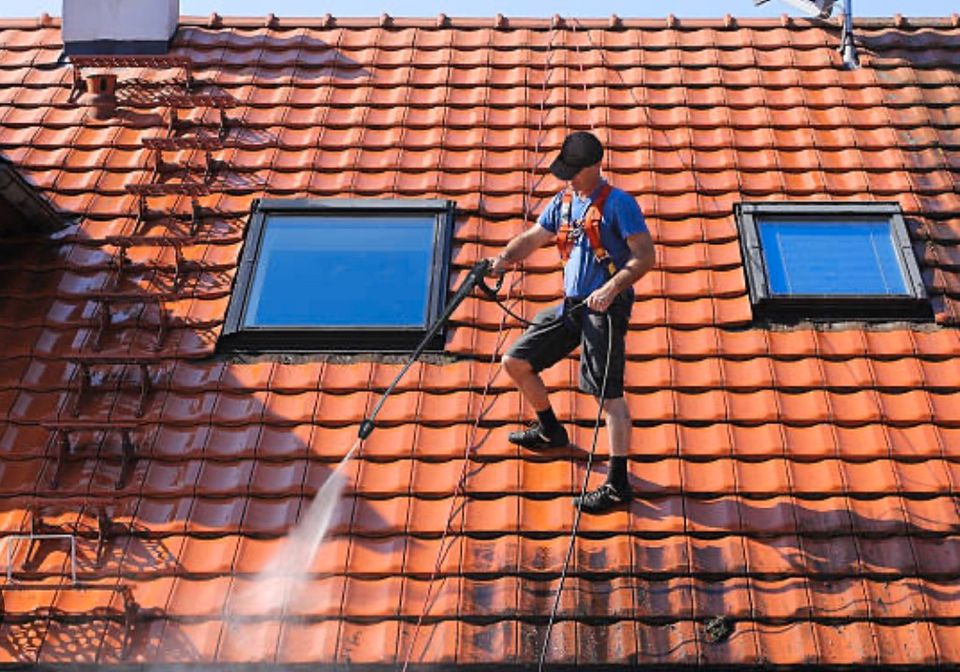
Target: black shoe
x: 533, y: 438
x: 603, y: 499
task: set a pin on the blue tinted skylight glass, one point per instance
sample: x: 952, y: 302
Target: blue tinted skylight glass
x: 343, y: 271
x: 841, y: 257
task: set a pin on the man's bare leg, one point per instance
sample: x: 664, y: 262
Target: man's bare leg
x: 619, y: 426
x: 616, y: 490
x: 529, y: 383
x: 548, y: 433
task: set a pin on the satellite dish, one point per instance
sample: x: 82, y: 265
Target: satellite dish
x: 823, y: 9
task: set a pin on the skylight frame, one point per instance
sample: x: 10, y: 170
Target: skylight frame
x: 239, y: 336
x: 913, y: 305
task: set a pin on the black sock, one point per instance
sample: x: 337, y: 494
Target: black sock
x: 617, y: 472
x: 548, y: 422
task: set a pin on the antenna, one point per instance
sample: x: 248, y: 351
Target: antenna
x: 820, y: 8
x: 823, y: 9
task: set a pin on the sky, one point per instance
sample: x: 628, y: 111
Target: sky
x: 517, y: 8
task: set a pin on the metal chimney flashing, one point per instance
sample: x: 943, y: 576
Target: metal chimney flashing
x: 119, y: 27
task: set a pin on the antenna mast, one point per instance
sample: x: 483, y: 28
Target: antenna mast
x: 848, y: 50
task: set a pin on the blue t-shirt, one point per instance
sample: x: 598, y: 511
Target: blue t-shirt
x: 622, y: 217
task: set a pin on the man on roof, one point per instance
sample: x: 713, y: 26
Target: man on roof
x: 606, y: 248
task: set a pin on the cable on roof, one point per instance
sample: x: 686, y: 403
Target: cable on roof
x: 596, y: 429
x: 502, y: 331
x: 583, y: 491
x: 646, y: 114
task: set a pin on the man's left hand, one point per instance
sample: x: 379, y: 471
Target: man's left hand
x: 601, y: 299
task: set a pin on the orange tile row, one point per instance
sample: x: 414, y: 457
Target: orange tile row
x: 110, y: 215
x: 577, y: 63
x: 449, y: 642
x: 638, y: 171
x: 520, y: 78
x: 542, y: 74
x: 635, y: 143
x: 655, y: 371
x: 620, y: 126
x: 214, y: 477
x: 801, y: 49
x: 666, y: 476
x: 766, y: 566
x: 501, y: 195
x: 778, y: 536
x: 642, y: 343
x: 189, y: 343
x: 383, y: 185
x: 86, y: 256
x: 646, y: 603
x: 653, y: 35
x: 464, y: 187
x: 814, y: 443
x: 719, y: 538
x: 846, y: 407
x: 139, y: 312
x: 795, y: 408
x: 413, y: 130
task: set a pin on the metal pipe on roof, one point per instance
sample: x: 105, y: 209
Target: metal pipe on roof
x: 848, y: 49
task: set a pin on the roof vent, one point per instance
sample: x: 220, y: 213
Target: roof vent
x: 101, y: 94
x: 103, y: 27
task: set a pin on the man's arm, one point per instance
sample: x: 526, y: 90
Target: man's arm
x: 642, y: 259
x: 520, y: 248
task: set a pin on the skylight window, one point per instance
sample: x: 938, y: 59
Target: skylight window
x: 830, y: 261
x: 347, y: 275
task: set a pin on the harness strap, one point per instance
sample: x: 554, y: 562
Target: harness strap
x: 565, y: 232
x: 589, y: 225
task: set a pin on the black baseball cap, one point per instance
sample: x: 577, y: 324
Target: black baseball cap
x: 580, y: 149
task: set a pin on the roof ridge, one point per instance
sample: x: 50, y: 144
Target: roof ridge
x: 611, y: 22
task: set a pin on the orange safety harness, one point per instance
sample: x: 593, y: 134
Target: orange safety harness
x: 589, y: 225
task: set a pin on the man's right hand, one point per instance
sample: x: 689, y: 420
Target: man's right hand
x: 497, y: 266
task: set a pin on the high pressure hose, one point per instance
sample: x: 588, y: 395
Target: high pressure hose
x: 474, y: 279
x: 583, y: 492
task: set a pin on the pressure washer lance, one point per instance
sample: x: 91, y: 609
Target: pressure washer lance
x: 474, y: 279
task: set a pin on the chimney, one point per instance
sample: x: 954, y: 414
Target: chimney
x: 109, y: 27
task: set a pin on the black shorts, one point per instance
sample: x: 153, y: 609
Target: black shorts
x: 548, y: 341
